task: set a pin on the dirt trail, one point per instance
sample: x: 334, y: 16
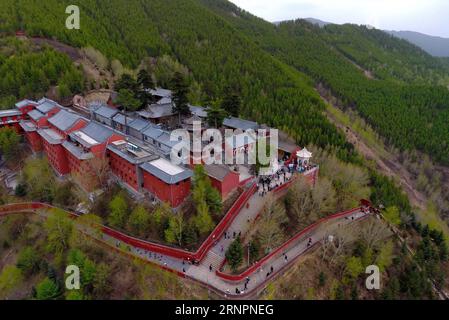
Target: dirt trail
x: 388, y: 165
x: 91, y: 70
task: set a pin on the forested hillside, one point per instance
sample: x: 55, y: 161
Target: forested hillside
x: 28, y: 71
x: 217, y: 55
x: 392, y: 84
x: 385, y: 56
x: 403, y: 102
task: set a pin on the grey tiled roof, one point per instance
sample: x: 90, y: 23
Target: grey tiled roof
x: 161, y: 137
x: 198, y: 111
x: 50, y: 136
x: 46, y: 105
x: 237, y: 123
x: 144, y: 114
x: 10, y: 113
x: 287, y: 146
x: 165, y: 100
x: 64, y: 120
x: 139, y: 124
x: 77, y: 152
x: 144, y: 155
x: 94, y: 105
x: 97, y: 131
x: 153, y: 132
x: 217, y: 171
x: 120, y: 118
x: 28, y: 126
x: 167, y: 178
x: 165, y: 139
x: 35, y: 115
x: 160, y: 92
x: 160, y: 110
x: 106, y: 112
x: 25, y: 103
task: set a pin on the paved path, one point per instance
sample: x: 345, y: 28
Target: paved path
x: 258, y: 279
x: 202, y: 272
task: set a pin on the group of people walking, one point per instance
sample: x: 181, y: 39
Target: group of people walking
x: 268, y: 183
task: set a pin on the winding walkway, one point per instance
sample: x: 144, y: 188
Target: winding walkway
x: 205, y: 270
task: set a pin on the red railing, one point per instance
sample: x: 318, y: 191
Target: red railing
x: 155, y: 247
x: 11, y: 208
x: 224, y: 223
x: 283, y: 247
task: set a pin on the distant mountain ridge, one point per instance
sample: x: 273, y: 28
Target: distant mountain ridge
x: 318, y: 22
x: 436, y: 46
x: 433, y: 45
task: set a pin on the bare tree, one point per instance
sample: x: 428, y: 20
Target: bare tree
x: 269, y: 232
x: 94, y: 173
x: 333, y: 251
x: 301, y: 202
x: 100, y: 168
x: 374, y: 232
x: 308, y: 203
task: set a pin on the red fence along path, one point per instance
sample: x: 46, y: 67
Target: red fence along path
x: 155, y: 247
x: 283, y: 247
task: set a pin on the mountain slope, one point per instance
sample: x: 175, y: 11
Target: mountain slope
x: 28, y: 70
x: 403, y: 104
x: 436, y: 46
x: 216, y: 53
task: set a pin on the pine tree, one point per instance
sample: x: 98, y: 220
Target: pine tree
x: 215, y: 116
x: 127, y: 100
x: 231, y: 102
x: 234, y: 254
x: 145, y: 80
x: 126, y: 81
x: 180, y: 92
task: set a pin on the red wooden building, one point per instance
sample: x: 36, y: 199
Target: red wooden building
x: 52, y: 142
x: 125, y: 158
x: 33, y: 138
x: 86, y: 144
x: 25, y: 106
x: 222, y: 178
x: 166, y: 181
x: 11, y: 118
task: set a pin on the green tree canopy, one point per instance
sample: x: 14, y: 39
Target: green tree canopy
x: 216, y: 116
x: 139, y: 221
x: 28, y: 261
x: 180, y: 93
x: 10, y: 278
x: 127, y: 99
x: 118, y: 211
x: 145, y: 80
x: 9, y: 142
x: 47, y: 289
x: 234, y: 254
x: 231, y: 102
x: 59, y: 230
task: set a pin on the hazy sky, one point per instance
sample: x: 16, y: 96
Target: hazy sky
x: 426, y: 16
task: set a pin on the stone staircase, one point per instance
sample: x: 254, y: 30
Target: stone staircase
x: 212, y: 259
